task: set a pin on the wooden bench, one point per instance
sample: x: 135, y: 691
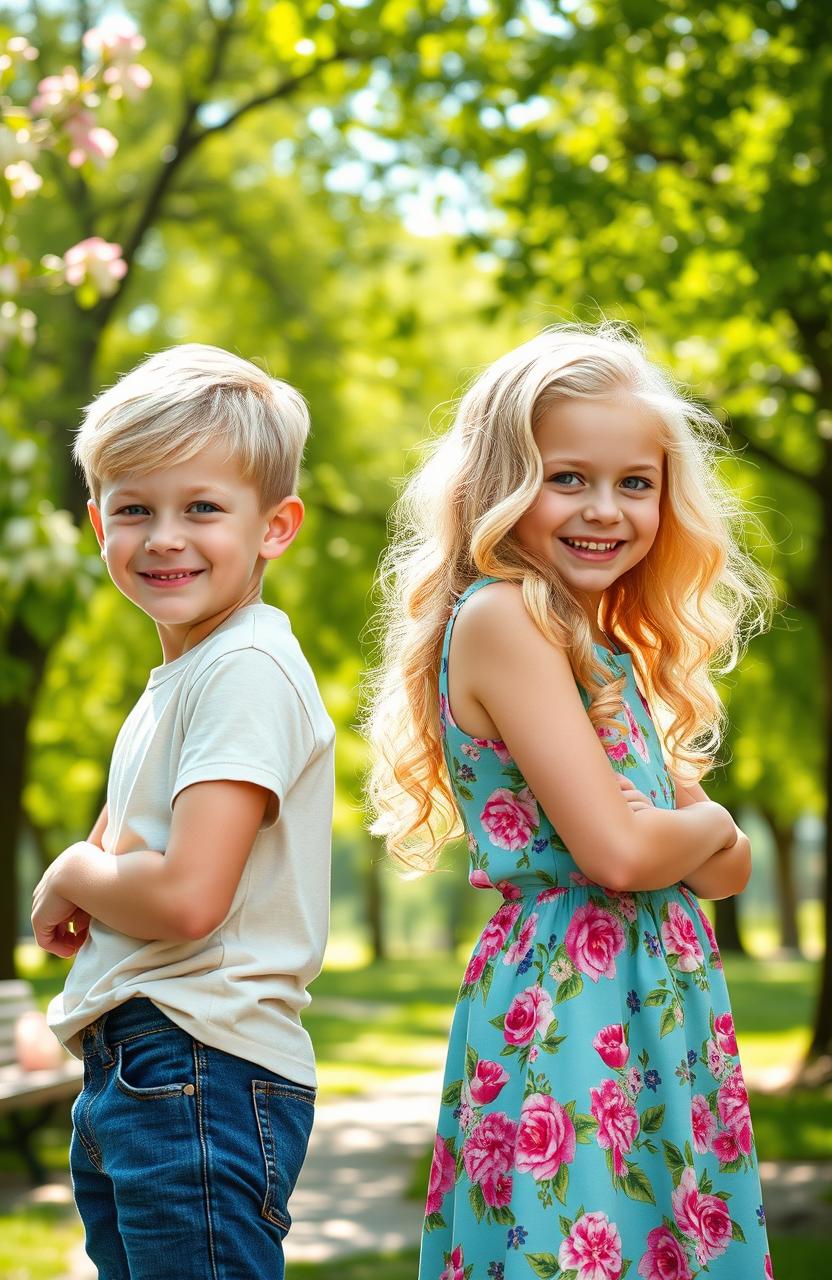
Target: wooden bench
x: 28, y: 1098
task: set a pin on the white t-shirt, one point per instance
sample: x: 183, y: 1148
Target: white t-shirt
x: 241, y: 705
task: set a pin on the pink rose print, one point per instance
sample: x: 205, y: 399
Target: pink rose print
x: 732, y: 1108
x: 592, y: 1249
x: 725, y: 1034
x: 626, y: 904
x: 510, y: 819
x: 487, y: 1081
x: 680, y: 939
x: 593, y: 940
x: 710, y: 935
x: 616, y: 747
x: 496, y: 1190
x: 769, y: 1270
x: 724, y: 1147
x: 704, y: 1218
x: 636, y: 736
x: 702, y: 1123
x: 499, y: 927
x: 545, y: 1137
x: 529, y: 1012
x: 612, y: 1046
x: 665, y: 1259
x: 479, y: 879
x: 499, y: 748
x: 475, y: 967
x: 518, y: 949
x: 548, y: 895
x: 635, y: 1081
x: 442, y: 1176
x: 455, y: 1270
x: 489, y: 1149
x: 617, y: 1122
x: 507, y: 889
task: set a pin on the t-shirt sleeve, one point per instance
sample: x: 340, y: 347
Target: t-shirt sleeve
x: 245, y: 722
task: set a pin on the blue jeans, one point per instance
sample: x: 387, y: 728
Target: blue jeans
x: 183, y: 1157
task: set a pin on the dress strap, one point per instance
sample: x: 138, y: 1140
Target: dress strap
x: 446, y: 644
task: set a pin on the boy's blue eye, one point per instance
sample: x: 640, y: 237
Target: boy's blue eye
x: 131, y: 510
x: 211, y: 506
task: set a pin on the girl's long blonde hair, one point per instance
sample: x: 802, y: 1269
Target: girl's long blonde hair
x: 685, y: 611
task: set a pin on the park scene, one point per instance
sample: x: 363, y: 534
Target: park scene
x: 374, y: 200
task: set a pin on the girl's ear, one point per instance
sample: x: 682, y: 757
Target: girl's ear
x: 96, y: 521
x: 284, y: 522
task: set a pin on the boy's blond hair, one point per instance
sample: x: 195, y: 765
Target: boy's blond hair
x: 187, y: 398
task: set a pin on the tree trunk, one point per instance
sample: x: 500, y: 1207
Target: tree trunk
x: 727, y: 926
x: 783, y: 835
x: 14, y: 724
x: 375, y: 905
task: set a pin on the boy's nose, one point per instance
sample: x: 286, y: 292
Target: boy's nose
x: 165, y: 538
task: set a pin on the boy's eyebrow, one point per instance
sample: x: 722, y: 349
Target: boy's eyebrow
x: 208, y: 487
x: 581, y: 462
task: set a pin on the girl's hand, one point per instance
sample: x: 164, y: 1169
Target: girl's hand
x: 635, y: 799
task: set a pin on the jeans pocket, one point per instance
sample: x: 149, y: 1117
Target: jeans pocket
x: 156, y: 1064
x: 284, y: 1113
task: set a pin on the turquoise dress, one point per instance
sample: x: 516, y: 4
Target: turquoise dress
x: 594, y: 1120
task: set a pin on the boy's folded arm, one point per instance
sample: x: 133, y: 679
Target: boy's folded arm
x: 186, y: 892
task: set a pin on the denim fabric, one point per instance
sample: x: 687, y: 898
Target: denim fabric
x: 183, y: 1157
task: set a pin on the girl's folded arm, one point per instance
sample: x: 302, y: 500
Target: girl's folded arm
x: 728, y: 870
x: 526, y: 686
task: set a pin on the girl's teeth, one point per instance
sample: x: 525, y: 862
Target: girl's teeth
x: 591, y: 546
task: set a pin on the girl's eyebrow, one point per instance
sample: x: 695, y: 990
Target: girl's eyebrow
x: 581, y: 462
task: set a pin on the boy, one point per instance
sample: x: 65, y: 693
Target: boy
x: 198, y: 908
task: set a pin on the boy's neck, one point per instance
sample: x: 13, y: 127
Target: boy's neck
x: 177, y: 640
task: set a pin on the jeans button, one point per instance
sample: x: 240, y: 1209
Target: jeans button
x: 189, y: 1090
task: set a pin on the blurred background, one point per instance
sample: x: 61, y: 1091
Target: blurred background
x: 374, y: 198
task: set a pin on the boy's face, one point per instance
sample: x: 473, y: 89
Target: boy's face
x: 187, y: 544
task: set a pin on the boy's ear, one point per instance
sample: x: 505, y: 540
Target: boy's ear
x: 96, y: 521
x: 284, y: 521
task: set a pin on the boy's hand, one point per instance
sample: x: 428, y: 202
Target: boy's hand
x: 59, y: 925
x: 635, y: 799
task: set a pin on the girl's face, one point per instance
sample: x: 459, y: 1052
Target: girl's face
x: 598, y: 510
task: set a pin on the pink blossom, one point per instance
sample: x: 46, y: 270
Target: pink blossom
x: 489, y: 1149
x: 479, y: 879
x: 56, y: 93
x: 724, y: 1147
x: 510, y: 819
x: 635, y: 1081
x: 610, y: 1043
x: 487, y: 1081
x: 545, y: 1137
x: 704, y: 1218
x: 680, y: 938
x: 725, y: 1034
x: 617, y: 1122
x: 703, y: 1123
x: 499, y: 927
x: 733, y: 1111
x: 88, y: 140
x: 468, y: 749
x: 592, y: 1249
x: 518, y: 949
x: 716, y: 1059
x: 665, y: 1259
x: 95, y: 260
x: 636, y: 736
x: 475, y: 968
x: 442, y: 1175
x: 116, y: 40
x: 528, y: 1013
x: 593, y: 940
x: 627, y: 905
x: 548, y: 895
x: 508, y: 890
x: 455, y: 1269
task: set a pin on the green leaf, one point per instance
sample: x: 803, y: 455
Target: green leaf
x: 544, y: 1265
x: 433, y: 1221
x: 485, y: 981
x: 585, y: 1127
x: 560, y: 1183
x: 636, y: 1185
x: 570, y: 988
x: 565, y: 1225
x: 477, y: 1201
x: 674, y: 1160
x: 498, y: 1022
x: 471, y: 1060
x: 737, y: 1232
x: 452, y: 1094
x: 652, y: 1119
x: 667, y: 1023
x: 658, y: 996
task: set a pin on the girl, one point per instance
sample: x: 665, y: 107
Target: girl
x: 564, y: 582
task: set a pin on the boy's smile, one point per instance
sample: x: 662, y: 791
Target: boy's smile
x: 597, y: 513
x: 188, y: 543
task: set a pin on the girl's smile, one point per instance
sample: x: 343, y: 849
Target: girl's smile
x: 597, y: 513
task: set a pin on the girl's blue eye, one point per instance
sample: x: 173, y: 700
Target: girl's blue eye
x: 640, y: 482
x: 563, y: 477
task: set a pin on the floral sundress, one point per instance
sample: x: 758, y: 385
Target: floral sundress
x: 594, y: 1119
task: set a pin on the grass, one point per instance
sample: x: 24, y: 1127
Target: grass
x: 35, y: 1242
x: 376, y: 1266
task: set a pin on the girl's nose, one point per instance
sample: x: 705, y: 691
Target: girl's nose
x: 603, y: 507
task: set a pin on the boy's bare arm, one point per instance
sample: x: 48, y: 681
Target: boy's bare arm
x: 182, y: 894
